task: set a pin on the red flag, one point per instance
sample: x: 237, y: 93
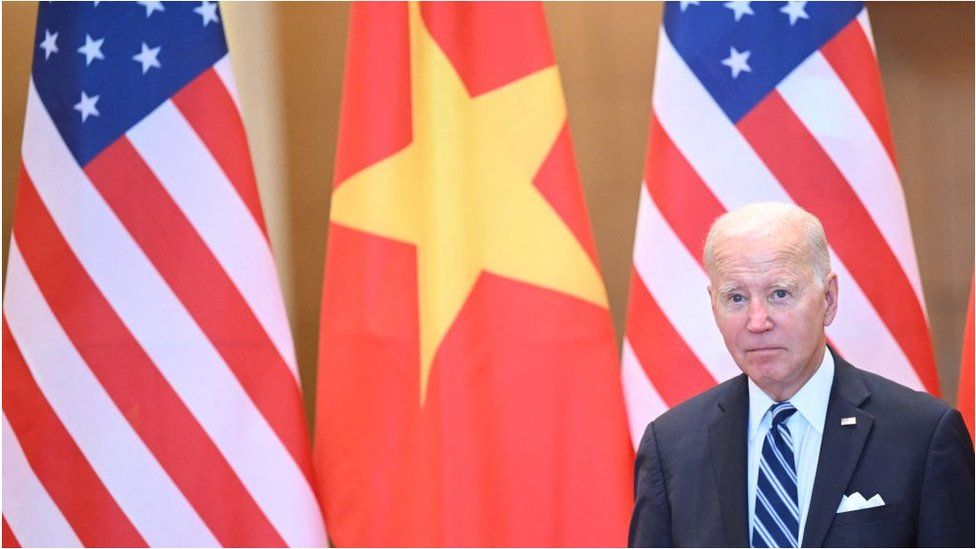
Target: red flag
x: 965, y: 401
x: 794, y: 112
x: 150, y: 392
x: 468, y: 392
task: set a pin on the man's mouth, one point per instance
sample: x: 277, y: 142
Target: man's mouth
x: 765, y: 350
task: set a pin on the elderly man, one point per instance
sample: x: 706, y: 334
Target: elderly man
x: 803, y: 449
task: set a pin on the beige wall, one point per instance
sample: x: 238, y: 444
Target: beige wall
x: 288, y: 61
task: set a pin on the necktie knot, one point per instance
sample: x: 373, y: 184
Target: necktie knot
x: 781, y: 412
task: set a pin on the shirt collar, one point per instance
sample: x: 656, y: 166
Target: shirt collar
x: 810, y: 401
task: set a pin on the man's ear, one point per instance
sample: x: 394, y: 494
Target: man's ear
x: 830, y: 298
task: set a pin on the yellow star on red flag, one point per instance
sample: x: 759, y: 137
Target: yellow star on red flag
x: 463, y: 191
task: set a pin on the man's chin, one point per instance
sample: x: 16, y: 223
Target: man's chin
x: 765, y: 365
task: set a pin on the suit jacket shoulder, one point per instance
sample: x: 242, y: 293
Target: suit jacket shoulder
x: 891, y: 397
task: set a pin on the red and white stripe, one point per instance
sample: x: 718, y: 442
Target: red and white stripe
x: 150, y: 393
x: 820, y: 140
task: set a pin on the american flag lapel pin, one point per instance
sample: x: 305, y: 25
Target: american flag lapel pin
x: 846, y: 421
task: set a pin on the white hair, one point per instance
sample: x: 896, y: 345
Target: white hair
x: 768, y: 218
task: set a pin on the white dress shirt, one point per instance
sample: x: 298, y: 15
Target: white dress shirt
x: 806, y: 428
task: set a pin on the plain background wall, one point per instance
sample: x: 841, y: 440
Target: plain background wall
x: 288, y: 59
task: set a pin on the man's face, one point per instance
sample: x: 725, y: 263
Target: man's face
x: 770, y: 309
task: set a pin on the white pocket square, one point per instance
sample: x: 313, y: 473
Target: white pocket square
x: 856, y: 502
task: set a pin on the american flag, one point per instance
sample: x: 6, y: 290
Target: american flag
x: 757, y: 101
x: 150, y: 392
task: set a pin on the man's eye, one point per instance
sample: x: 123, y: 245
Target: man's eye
x: 780, y: 294
x: 737, y: 298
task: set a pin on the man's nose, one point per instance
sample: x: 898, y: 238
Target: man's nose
x: 759, y: 320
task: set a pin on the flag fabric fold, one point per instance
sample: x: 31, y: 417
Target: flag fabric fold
x: 757, y: 101
x: 150, y: 391
x: 468, y: 388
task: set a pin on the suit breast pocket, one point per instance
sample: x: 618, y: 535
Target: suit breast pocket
x: 876, y: 527
x: 865, y: 516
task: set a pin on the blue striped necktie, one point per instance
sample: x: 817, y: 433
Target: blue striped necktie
x: 776, y: 521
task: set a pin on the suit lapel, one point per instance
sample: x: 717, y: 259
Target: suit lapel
x: 727, y: 438
x: 840, y: 450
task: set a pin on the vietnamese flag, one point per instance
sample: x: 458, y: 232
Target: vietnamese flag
x: 965, y: 401
x: 468, y: 389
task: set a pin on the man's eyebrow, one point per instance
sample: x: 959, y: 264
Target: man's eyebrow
x: 788, y: 283
x: 728, y: 287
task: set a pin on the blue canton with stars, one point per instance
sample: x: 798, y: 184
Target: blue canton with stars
x: 101, y: 67
x: 741, y: 51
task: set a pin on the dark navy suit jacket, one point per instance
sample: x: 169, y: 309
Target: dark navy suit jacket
x: 907, y: 446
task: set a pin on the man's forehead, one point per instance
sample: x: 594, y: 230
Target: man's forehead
x: 772, y: 249
x: 766, y: 265
x: 745, y: 255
